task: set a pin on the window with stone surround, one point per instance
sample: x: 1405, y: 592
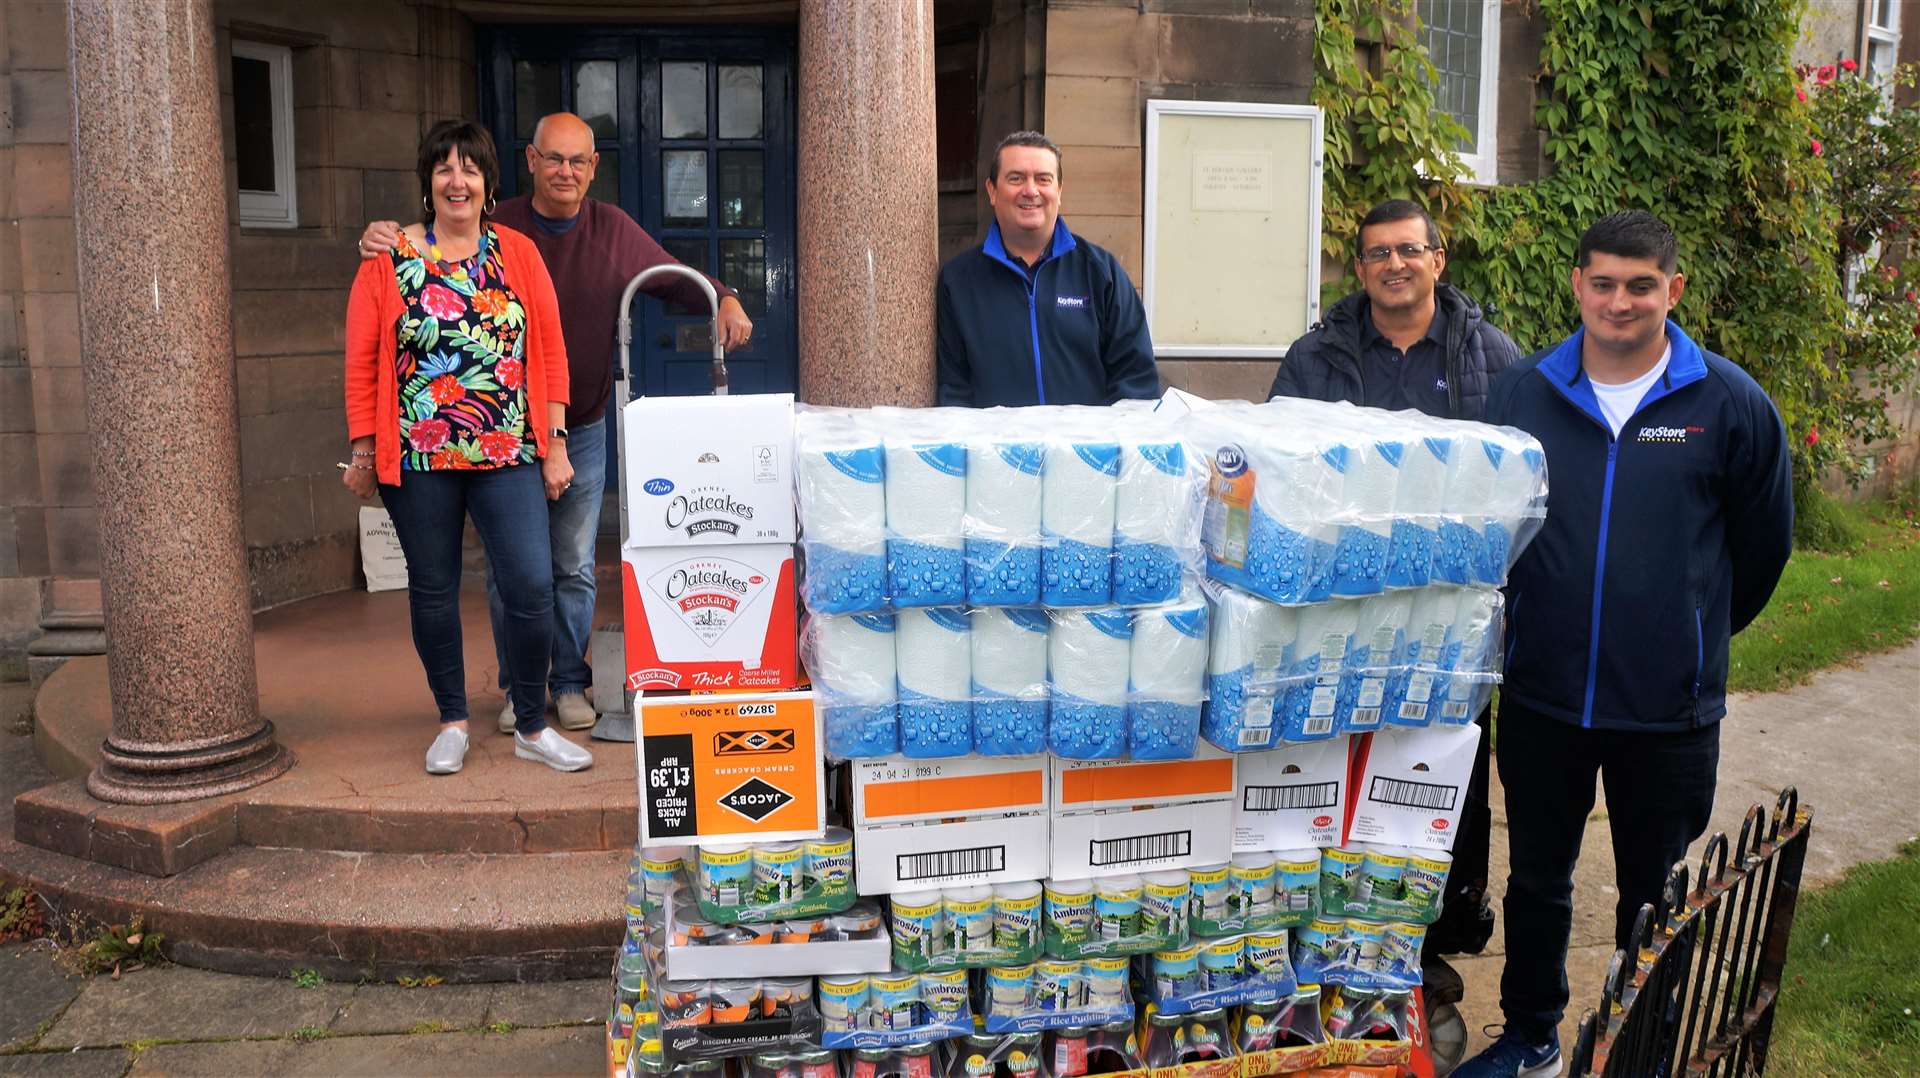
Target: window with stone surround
x: 263, y: 134
x: 1463, y: 41
x: 1883, y: 42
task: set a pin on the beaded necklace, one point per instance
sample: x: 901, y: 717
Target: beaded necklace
x: 456, y: 270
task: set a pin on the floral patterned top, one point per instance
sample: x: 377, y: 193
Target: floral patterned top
x: 461, y: 366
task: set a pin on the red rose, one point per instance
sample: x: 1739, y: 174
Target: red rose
x: 1848, y: 65
x: 442, y: 302
x: 500, y: 446
x: 1824, y: 75
x: 427, y: 435
x: 446, y: 389
x: 509, y: 373
x: 1800, y: 92
x: 1813, y: 435
x: 1816, y: 148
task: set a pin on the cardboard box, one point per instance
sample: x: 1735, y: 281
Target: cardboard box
x: 706, y: 471
x: 920, y: 824
x: 1118, y: 816
x: 730, y: 768
x: 710, y: 618
x: 1292, y: 797
x: 1411, y: 785
x: 697, y: 962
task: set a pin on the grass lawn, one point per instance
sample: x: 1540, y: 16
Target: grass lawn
x: 1851, y: 1002
x: 1830, y: 608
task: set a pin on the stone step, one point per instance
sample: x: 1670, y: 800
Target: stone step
x: 353, y: 916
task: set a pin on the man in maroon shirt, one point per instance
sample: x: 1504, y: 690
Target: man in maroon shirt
x: 592, y: 249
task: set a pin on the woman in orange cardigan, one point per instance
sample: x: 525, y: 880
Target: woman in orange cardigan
x: 456, y: 388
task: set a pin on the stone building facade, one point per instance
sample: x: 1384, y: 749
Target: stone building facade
x: 365, y: 77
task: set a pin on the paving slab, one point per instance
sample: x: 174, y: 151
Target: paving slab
x: 575, y: 1052
x: 178, y: 1003
x: 553, y: 1003
x: 32, y: 991
x: 389, y: 1008
x: 87, y: 1063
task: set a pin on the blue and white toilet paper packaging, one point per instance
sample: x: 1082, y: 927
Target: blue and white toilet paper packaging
x: 926, y: 511
x: 1102, y: 683
x: 1045, y: 506
x: 1279, y: 675
x: 1309, y: 501
x: 852, y: 661
x: 841, y: 476
x: 1009, y: 652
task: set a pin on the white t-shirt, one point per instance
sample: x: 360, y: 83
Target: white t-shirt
x: 1618, y: 402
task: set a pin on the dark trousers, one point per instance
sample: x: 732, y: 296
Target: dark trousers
x: 1659, y: 790
x: 509, y: 510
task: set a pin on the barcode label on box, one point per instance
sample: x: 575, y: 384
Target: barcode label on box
x: 1420, y: 795
x: 1317, y: 724
x: 941, y: 863
x: 1304, y: 796
x: 1255, y: 737
x: 1120, y: 851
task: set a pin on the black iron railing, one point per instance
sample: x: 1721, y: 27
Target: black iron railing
x: 1697, y: 995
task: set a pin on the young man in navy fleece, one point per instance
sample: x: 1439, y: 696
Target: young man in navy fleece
x: 1669, y: 519
x: 1037, y: 315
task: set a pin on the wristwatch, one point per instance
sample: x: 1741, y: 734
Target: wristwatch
x: 558, y: 432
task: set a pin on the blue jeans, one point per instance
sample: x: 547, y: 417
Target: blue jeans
x: 509, y: 510
x: 573, y: 523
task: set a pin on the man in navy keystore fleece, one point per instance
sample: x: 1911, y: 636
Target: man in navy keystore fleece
x: 1669, y: 519
x: 1036, y: 315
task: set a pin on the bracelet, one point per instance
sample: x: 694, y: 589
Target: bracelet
x: 363, y: 452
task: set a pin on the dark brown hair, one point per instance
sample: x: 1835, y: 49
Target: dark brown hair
x: 473, y: 144
x: 1033, y: 139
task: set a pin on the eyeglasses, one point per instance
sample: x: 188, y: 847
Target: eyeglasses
x: 1407, y: 252
x: 553, y: 160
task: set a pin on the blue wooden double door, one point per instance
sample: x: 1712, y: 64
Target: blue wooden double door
x: 694, y: 129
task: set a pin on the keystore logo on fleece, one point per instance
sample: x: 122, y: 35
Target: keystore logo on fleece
x: 704, y: 511
x: 1676, y: 435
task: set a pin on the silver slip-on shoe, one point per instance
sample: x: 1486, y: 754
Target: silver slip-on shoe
x: 551, y: 749
x: 448, y: 753
x: 574, y: 711
x: 507, y: 718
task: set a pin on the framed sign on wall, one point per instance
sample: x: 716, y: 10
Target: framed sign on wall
x: 1232, y: 226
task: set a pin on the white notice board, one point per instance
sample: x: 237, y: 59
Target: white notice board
x: 1232, y: 226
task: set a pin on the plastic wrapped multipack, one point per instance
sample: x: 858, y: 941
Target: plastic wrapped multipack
x: 1001, y: 507
x: 1289, y: 675
x: 1309, y: 500
x: 1096, y: 683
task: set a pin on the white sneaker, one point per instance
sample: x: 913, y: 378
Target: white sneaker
x: 553, y: 750
x: 508, y: 720
x: 574, y: 712
x: 448, y: 753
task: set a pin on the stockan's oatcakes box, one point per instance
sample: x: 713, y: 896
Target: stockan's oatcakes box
x: 718, y: 617
x: 708, y: 471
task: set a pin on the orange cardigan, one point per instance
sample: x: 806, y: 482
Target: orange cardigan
x: 374, y: 310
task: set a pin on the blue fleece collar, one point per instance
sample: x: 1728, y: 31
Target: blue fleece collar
x: 996, y: 248
x: 1562, y: 367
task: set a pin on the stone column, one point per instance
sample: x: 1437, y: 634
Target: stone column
x: 868, y: 200
x: 156, y: 345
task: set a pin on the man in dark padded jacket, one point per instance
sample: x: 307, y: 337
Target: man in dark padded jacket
x: 1407, y: 341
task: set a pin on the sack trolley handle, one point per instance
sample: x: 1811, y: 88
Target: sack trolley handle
x: 625, y: 331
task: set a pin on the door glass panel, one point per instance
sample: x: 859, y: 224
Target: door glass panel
x: 683, y: 184
x: 596, y: 96
x: 606, y: 178
x: 691, y: 251
x: 743, y: 268
x: 743, y: 181
x: 683, y: 100
x: 740, y: 111
x: 536, y: 92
